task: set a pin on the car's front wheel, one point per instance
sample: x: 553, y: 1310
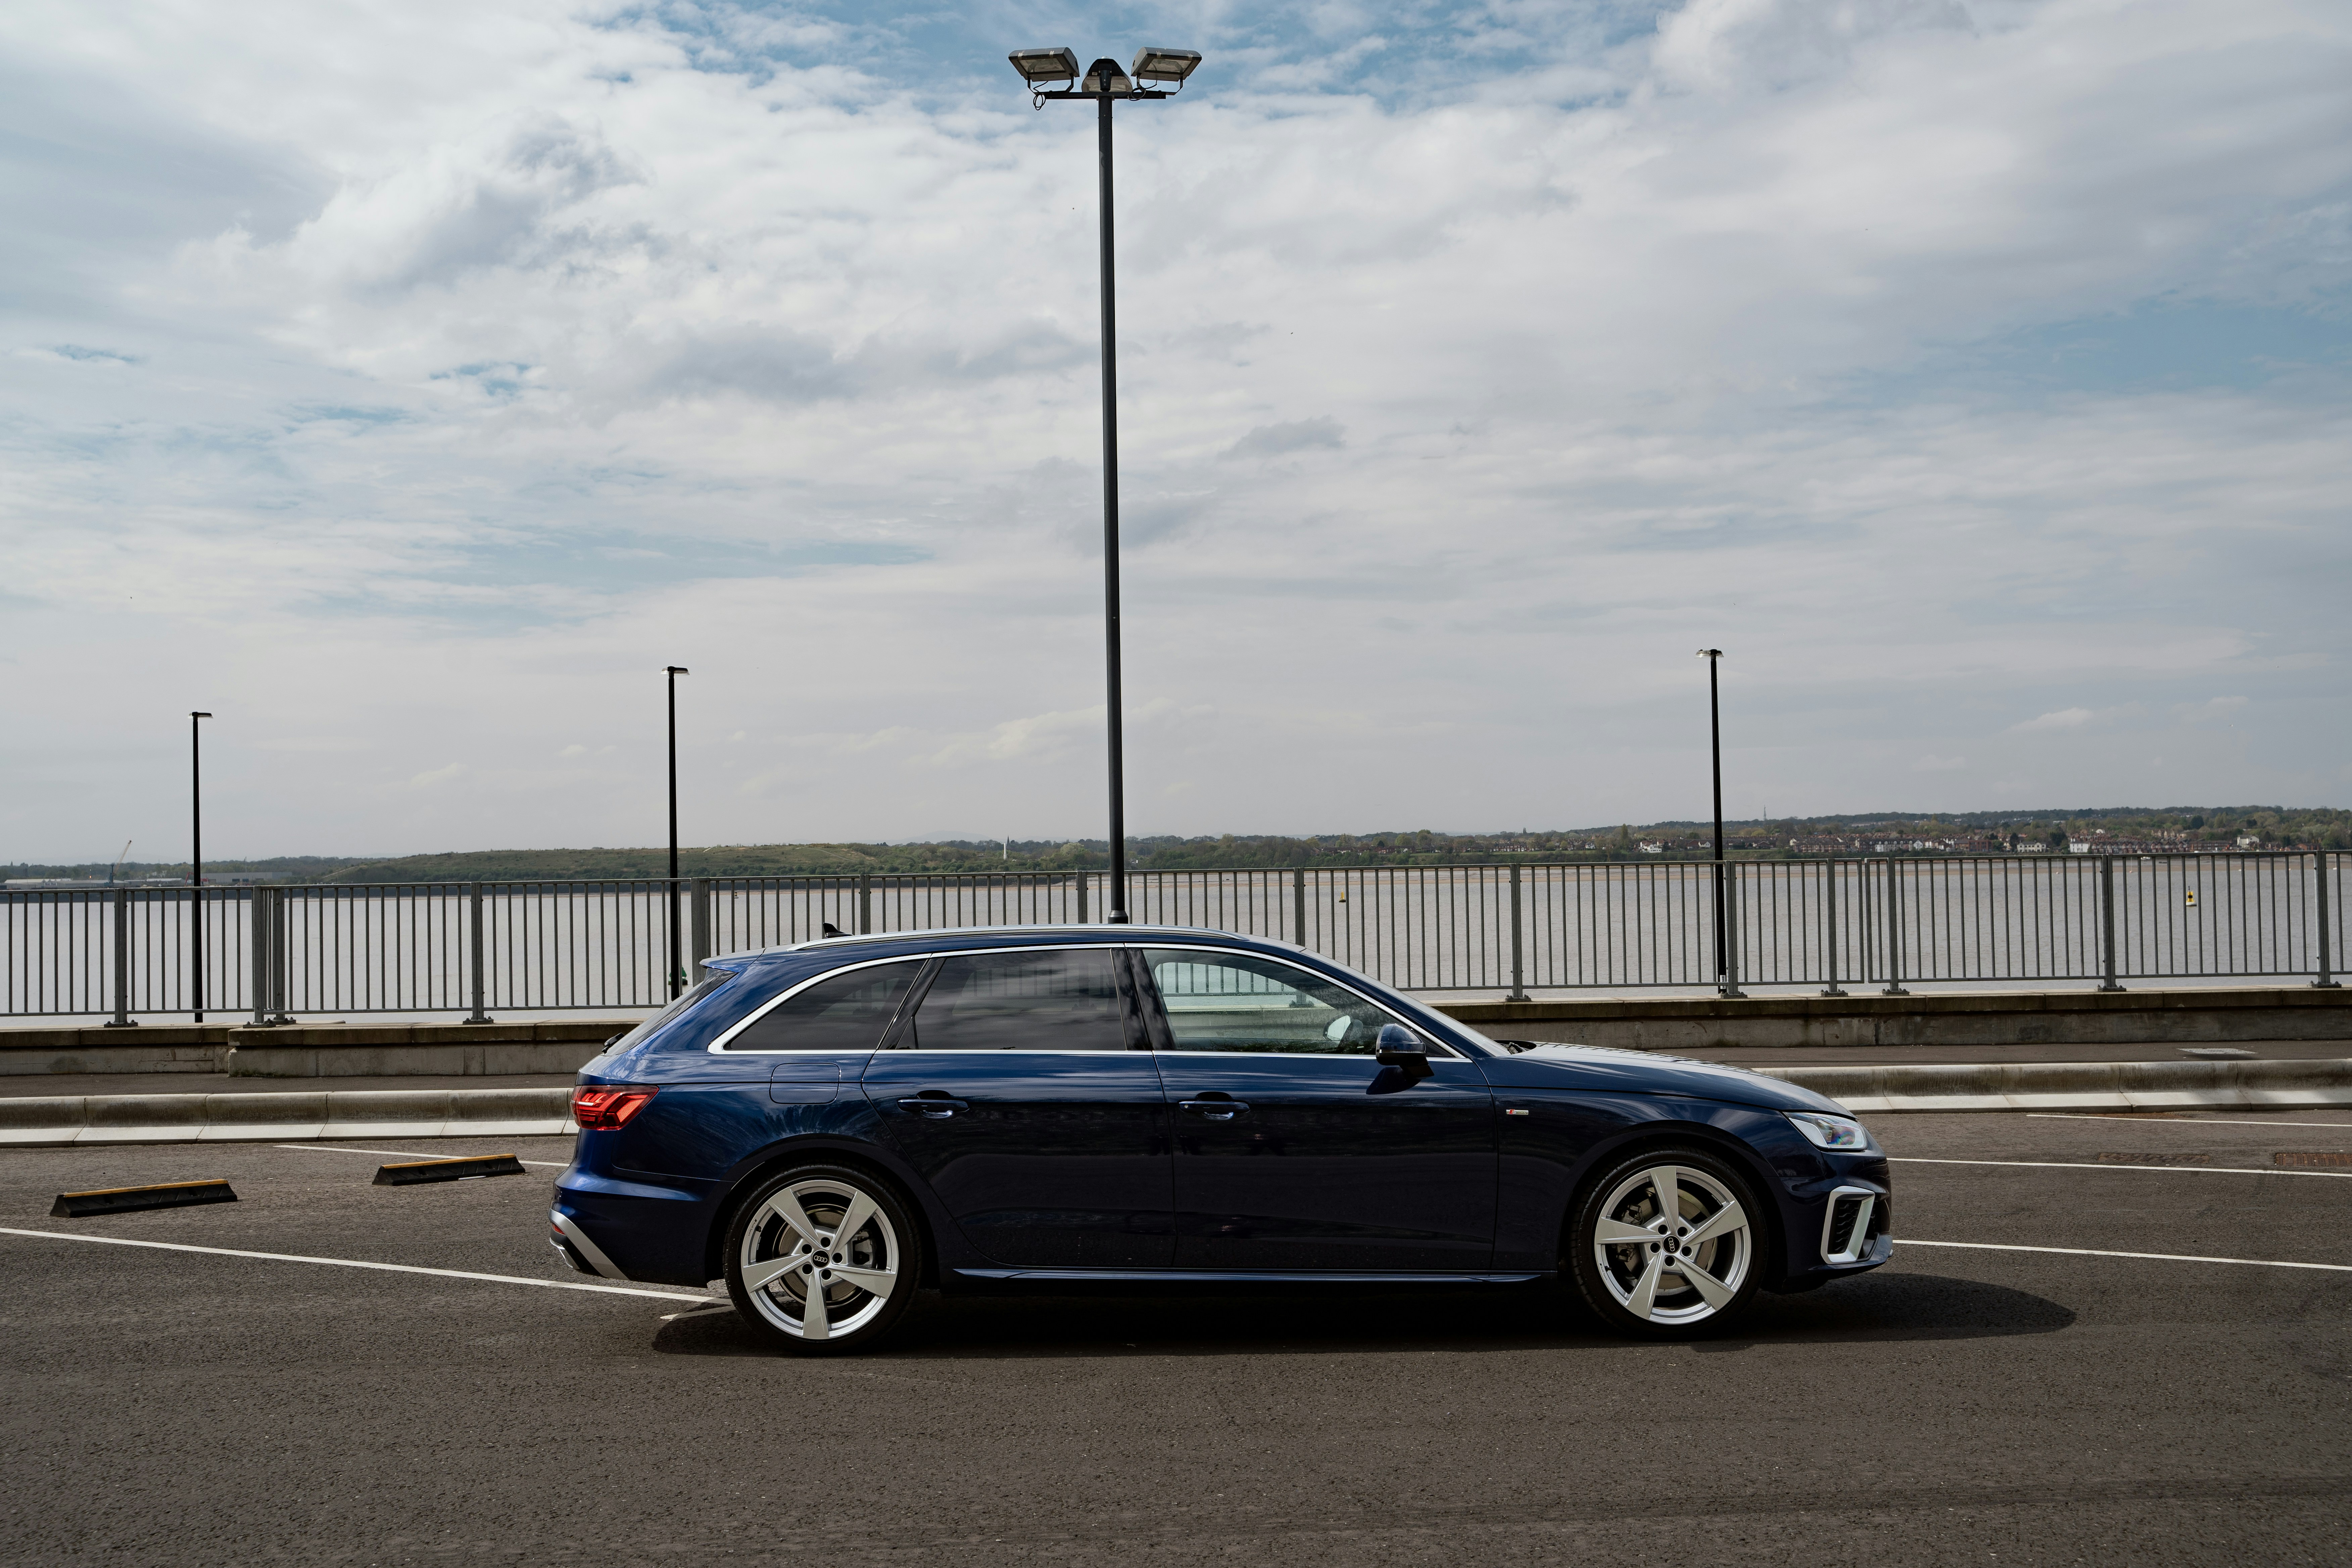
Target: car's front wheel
x: 825, y: 1258
x: 1667, y: 1243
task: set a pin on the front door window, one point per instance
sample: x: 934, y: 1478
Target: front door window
x: 1239, y: 1002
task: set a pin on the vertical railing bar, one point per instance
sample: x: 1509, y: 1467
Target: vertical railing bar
x: 2107, y: 924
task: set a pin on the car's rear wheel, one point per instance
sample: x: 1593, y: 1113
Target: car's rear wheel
x: 1667, y: 1243
x: 824, y: 1259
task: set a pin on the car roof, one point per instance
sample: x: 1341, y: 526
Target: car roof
x: 1122, y: 933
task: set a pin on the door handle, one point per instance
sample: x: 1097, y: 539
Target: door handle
x: 1216, y: 1109
x: 937, y: 1108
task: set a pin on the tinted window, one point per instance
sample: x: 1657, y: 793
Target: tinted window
x: 693, y: 994
x: 845, y: 1012
x: 1021, y: 1000
x: 1239, y: 1002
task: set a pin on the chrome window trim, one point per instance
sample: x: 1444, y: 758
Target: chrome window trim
x: 720, y: 1048
x: 1434, y: 1044
x: 942, y: 1051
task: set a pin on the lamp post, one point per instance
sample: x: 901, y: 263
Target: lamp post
x: 1106, y: 84
x: 1715, y: 742
x: 673, y: 672
x: 196, y: 852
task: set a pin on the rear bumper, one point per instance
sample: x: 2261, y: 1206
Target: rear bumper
x: 633, y: 1230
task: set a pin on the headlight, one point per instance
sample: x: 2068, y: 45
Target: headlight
x: 1839, y: 1134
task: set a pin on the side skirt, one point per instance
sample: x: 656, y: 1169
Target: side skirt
x: 1241, y: 1277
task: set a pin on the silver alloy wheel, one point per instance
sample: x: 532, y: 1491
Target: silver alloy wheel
x: 1673, y: 1245
x: 819, y: 1258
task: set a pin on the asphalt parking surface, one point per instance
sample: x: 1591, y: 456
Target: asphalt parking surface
x: 1958, y: 1405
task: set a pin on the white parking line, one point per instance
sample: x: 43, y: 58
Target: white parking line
x: 355, y: 1263
x: 2107, y: 1165
x: 2190, y: 1120
x: 407, y: 1155
x: 2153, y: 1257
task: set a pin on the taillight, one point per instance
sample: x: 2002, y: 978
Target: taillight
x: 607, y: 1109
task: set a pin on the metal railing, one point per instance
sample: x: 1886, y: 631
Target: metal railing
x: 275, y: 953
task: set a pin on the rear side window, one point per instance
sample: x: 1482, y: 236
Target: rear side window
x: 695, y: 993
x: 1021, y: 999
x: 844, y: 1012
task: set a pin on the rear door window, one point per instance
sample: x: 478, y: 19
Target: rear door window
x: 1021, y: 999
x: 844, y: 1012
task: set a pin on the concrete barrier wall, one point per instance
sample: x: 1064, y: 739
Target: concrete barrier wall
x: 2213, y: 1016
x: 2081, y: 1086
x: 314, y: 1050
x: 246, y: 1118
x: 2183, y: 1016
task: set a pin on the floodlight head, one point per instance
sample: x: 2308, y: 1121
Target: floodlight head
x: 1104, y: 76
x: 1039, y: 66
x: 676, y: 669
x: 1164, y: 65
x: 1710, y: 653
x: 194, y: 715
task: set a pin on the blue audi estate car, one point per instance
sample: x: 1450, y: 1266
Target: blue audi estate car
x: 833, y: 1126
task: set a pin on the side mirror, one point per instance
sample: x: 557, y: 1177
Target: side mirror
x: 1401, y: 1048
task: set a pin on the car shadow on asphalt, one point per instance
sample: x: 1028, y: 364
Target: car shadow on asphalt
x: 1883, y: 1306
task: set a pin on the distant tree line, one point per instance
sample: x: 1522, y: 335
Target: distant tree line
x: 2274, y: 828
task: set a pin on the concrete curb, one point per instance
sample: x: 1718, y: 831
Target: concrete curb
x: 2081, y: 1086
x: 544, y: 1112
x: 271, y: 1118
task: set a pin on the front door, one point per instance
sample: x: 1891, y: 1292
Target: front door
x: 1296, y: 1149
x: 1023, y: 1090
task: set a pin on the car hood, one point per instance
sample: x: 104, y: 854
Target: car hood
x: 1605, y: 1071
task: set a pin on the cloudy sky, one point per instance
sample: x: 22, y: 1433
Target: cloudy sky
x: 408, y: 384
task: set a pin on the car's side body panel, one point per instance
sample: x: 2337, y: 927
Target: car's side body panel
x: 1337, y: 1162
x: 1044, y: 1159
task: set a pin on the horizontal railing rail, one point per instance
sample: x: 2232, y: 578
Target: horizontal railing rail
x: 273, y: 953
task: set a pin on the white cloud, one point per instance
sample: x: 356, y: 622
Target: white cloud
x: 1932, y: 763
x: 2062, y: 718
x: 475, y: 362
x: 2212, y: 710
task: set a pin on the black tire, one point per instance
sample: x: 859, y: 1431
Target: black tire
x: 1634, y: 1287
x: 868, y: 1278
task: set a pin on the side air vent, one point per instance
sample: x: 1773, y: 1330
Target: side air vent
x: 1848, y: 1229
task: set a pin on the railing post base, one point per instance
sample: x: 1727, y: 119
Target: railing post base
x: 1895, y: 991
x: 1834, y: 990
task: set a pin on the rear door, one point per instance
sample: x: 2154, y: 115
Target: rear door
x: 1296, y: 1149
x: 1022, y: 1089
